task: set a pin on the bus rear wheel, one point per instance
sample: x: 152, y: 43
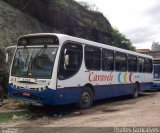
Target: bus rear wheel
x: 136, y: 91
x: 86, y: 98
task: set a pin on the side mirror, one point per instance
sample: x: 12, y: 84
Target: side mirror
x: 6, y: 57
x: 6, y: 51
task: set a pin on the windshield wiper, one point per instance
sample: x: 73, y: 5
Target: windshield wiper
x: 43, y: 48
x: 27, y: 56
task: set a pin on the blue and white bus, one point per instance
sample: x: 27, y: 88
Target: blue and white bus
x: 59, y: 69
x: 156, y: 73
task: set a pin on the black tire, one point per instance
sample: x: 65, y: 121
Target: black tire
x: 86, y: 98
x: 136, y: 91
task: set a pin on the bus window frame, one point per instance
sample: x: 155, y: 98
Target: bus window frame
x: 111, y: 51
x: 61, y: 50
x: 139, y: 57
x: 149, y: 66
x: 116, y: 61
x: 136, y: 63
x: 100, y: 57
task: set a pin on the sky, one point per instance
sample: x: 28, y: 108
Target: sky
x: 138, y: 20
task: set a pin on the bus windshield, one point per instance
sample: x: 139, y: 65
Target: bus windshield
x: 34, y: 62
x: 156, y: 71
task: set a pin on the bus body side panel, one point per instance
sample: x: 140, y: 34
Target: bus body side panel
x: 72, y: 94
x: 146, y: 86
x: 108, y: 91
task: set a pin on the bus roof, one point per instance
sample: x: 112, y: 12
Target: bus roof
x: 64, y: 37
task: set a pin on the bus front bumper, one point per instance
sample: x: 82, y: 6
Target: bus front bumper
x: 48, y: 96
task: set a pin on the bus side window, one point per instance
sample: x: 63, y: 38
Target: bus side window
x: 120, y: 61
x: 107, y: 60
x: 148, y: 65
x: 141, y: 64
x: 92, y: 58
x: 70, y: 60
x: 132, y: 63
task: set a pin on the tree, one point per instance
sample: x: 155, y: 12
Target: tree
x: 88, y: 6
x: 120, y: 40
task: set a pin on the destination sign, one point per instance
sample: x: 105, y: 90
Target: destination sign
x: 38, y: 40
x: 42, y: 41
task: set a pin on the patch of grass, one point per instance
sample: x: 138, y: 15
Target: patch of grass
x: 12, y: 104
x: 7, y: 116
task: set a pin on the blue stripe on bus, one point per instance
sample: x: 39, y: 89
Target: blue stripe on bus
x: 72, y: 94
x: 156, y: 86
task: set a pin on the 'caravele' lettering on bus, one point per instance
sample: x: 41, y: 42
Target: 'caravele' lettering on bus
x: 93, y: 77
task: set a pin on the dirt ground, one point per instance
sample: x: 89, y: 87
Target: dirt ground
x: 117, y: 112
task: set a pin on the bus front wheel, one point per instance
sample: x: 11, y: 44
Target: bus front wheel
x: 86, y: 98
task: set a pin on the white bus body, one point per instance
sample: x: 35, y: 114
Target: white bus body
x: 60, y: 69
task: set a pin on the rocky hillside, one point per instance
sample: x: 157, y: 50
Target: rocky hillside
x: 67, y: 16
x: 19, y: 17
x: 14, y: 23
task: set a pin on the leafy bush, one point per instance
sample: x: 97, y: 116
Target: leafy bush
x: 120, y: 40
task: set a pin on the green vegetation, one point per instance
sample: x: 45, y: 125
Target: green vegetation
x: 89, y: 22
x: 120, y: 40
x: 7, y: 116
x: 89, y: 7
x: 56, y: 4
x: 16, y: 110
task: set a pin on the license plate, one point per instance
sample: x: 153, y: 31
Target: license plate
x: 26, y: 94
